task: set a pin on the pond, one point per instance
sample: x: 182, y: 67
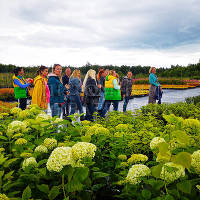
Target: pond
x: 169, y: 96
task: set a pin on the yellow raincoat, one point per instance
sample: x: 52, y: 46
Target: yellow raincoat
x: 39, y: 95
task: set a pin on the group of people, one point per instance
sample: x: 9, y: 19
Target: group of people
x: 63, y: 93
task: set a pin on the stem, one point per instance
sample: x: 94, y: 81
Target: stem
x: 166, y: 188
x: 63, y: 186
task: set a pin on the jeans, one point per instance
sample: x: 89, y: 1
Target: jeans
x: 75, y: 101
x: 107, y: 106
x: 66, y: 106
x: 101, y: 101
x: 126, y: 100
x: 55, y: 109
x: 90, y: 109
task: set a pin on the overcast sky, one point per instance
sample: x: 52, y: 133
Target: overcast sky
x: 157, y: 33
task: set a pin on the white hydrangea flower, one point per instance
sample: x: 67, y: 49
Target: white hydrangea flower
x: 29, y: 162
x: 60, y: 157
x: 155, y: 142
x: 3, y: 197
x: 196, y: 161
x: 137, y: 171
x: 83, y: 149
x: 41, y: 149
x: 24, y: 114
x: 17, y: 126
x: 57, y: 120
x: 171, y: 172
x: 50, y: 143
x: 43, y: 116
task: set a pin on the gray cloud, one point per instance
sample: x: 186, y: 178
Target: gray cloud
x: 120, y: 25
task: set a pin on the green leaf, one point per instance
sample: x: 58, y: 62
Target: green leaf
x: 10, y: 161
x: 156, y: 170
x: 81, y: 173
x: 54, y: 192
x: 26, y: 193
x: 86, y: 138
x: 43, y: 188
x: 41, y: 162
x: 184, y: 159
x: 3, y: 138
x: 156, y: 184
x: 184, y: 186
x: 181, y: 136
x: 146, y: 194
x: 2, y: 159
x: 169, y: 197
x: 68, y: 171
x: 163, y: 148
x: 97, y: 175
x: 8, y: 175
x: 73, y: 186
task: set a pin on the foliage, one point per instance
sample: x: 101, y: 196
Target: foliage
x: 113, y: 158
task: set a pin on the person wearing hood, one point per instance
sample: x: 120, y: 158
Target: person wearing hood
x: 74, y: 92
x: 91, y: 91
x: 126, y: 89
x: 57, y: 90
x: 41, y: 94
x: 112, y: 92
x: 20, y: 87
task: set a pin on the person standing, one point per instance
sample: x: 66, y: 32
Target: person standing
x: 57, y: 90
x: 91, y: 94
x: 20, y: 87
x: 126, y: 89
x: 65, y: 80
x: 74, y: 92
x: 153, y: 80
x: 101, y: 81
x: 41, y: 93
x: 112, y: 92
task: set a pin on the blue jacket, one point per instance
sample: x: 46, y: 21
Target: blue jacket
x: 153, y: 80
x: 56, y: 88
x: 75, y: 87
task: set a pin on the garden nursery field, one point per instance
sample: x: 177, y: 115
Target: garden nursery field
x: 152, y: 153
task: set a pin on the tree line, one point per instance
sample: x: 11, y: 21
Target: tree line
x: 191, y: 71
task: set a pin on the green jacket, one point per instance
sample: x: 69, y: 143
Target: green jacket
x: 110, y: 92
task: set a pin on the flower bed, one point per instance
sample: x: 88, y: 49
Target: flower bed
x: 151, y: 154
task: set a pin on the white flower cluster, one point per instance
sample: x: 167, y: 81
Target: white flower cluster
x: 171, y: 172
x: 83, y: 149
x: 41, y: 149
x: 155, y: 142
x: 50, y: 143
x: 29, y: 162
x: 91, y: 130
x: 43, y: 116
x: 3, y: 197
x: 137, y: 171
x: 57, y: 120
x: 62, y: 156
x: 24, y: 114
x: 16, y: 126
x: 196, y: 161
